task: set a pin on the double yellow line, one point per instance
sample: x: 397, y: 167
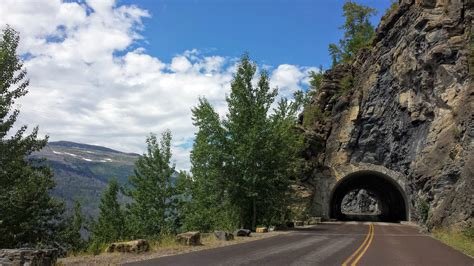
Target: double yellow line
x: 357, y: 255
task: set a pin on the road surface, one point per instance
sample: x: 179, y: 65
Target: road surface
x: 349, y: 243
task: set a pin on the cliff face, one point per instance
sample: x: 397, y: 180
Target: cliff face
x: 403, y: 108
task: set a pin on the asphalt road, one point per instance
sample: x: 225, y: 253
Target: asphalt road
x: 350, y: 243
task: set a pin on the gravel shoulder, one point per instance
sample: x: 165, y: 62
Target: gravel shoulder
x: 169, y: 249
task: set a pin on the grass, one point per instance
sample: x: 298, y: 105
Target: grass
x: 460, y: 240
x: 166, y: 246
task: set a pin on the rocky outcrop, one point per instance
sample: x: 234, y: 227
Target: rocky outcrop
x: 135, y: 246
x: 242, y: 232
x: 404, y: 107
x: 34, y: 257
x: 223, y: 236
x: 189, y: 238
x: 360, y: 201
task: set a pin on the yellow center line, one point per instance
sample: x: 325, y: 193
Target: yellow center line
x: 365, y: 249
x: 360, y: 248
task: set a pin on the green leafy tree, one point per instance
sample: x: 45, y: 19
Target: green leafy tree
x: 152, y: 210
x: 242, y: 166
x: 28, y: 214
x: 110, y: 225
x: 247, y: 133
x: 358, y: 32
x: 208, y: 207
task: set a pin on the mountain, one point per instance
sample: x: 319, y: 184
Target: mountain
x: 82, y: 171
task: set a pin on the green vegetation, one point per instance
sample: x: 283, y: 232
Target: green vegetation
x: 152, y: 211
x: 422, y: 211
x: 393, y: 6
x: 346, y: 84
x: 72, y: 233
x: 242, y: 166
x: 110, y: 225
x: 312, y: 113
x: 209, y: 208
x: 460, y: 239
x: 358, y: 33
x: 28, y: 214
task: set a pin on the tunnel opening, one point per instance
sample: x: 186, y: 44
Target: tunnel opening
x: 384, y: 200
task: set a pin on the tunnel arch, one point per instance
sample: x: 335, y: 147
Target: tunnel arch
x: 391, y: 197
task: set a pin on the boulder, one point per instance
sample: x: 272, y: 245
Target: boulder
x: 261, y: 230
x: 314, y: 220
x: 224, y: 236
x: 41, y: 257
x: 189, y: 238
x: 299, y: 223
x: 135, y: 246
x: 242, y: 232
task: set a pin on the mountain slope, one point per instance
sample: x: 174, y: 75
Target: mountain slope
x: 82, y: 171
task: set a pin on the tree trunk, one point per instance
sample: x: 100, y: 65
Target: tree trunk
x: 254, y: 213
x: 242, y: 218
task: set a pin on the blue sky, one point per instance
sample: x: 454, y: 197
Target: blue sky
x: 109, y: 72
x: 274, y: 32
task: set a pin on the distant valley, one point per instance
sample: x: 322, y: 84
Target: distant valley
x: 82, y: 171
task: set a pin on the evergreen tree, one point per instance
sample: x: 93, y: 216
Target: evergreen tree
x: 72, y: 232
x: 152, y: 211
x: 316, y: 79
x: 358, y: 32
x: 28, y: 214
x: 110, y: 225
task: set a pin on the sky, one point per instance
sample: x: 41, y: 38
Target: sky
x: 110, y: 72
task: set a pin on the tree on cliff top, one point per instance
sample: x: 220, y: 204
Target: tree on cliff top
x: 358, y: 32
x: 28, y: 214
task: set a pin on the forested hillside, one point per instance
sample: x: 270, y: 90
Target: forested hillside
x: 82, y: 171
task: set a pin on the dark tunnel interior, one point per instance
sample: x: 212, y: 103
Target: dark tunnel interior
x: 389, y: 195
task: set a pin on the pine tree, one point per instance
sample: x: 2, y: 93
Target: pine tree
x: 358, y: 32
x: 152, y: 210
x: 71, y: 235
x: 28, y: 214
x: 110, y: 225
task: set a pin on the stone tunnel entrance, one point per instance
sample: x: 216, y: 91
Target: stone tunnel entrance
x: 390, y: 200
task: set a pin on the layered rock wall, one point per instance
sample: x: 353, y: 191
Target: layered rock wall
x: 404, y: 107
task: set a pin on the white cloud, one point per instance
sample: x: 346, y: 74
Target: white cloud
x: 82, y: 90
x: 290, y: 78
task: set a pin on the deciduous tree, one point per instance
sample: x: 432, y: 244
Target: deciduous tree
x: 152, y: 209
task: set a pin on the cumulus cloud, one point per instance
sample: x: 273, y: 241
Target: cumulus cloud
x: 290, y: 78
x: 88, y: 85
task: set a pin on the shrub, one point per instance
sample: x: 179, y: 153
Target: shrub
x: 422, y: 211
x: 312, y: 113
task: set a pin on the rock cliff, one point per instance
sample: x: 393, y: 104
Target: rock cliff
x: 403, y: 108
